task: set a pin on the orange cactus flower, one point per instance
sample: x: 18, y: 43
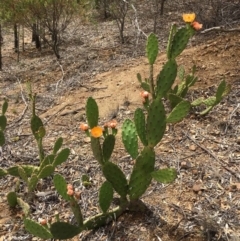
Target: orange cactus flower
x: 196, y: 25
x: 70, y: 192
x: 112, y: 124
x: 144, y: 94
x: 84, y: 127
x: 96, y: 131
x: 189, y: 17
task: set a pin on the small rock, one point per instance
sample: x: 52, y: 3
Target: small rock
x: 198, y: 186
x: 87, y: 139
x: 192, y: 147
x: 185, y: 165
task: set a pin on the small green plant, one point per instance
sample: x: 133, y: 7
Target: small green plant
x: 29, y: 173
x: 148, y: 127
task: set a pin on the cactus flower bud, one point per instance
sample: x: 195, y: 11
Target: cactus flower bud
x: 70, y: 192
x: 96, y: 131
x: 84, y: 127
x: 189, y: 17
x: 196, y: 25
x: 43, y: 221
x: 112, y: 124
x: 69, y: 186
x: 144, y: 94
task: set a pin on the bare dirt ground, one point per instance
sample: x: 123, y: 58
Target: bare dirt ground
x: 202, y: 204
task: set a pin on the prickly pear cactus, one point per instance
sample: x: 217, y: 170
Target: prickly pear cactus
x: 116, y: 177
x: 92, y: 112
x: 141, y: 175
x: 105, y: 196
x: 129, y: 138
x: 156, y: 122
x: 140, y: 124
x: 108, y: 146
x: 37, y: 229
x: 152, y: 48
x: 62, y: 230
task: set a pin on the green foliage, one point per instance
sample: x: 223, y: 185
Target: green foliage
x: 37, y: 229
x: 105, y: 196
x: 62, y: 230
x: 152, y: 48
x: 129, y: 138
x: 116, y: 177
x: 12, y: 199
x: 166, y: 175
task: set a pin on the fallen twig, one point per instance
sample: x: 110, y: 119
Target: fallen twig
x: 223, y: 163
x: 220, y: 29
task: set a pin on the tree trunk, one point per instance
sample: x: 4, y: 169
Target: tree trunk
x: 162, y: 6
x: 15, y: 29
x: 1, y: 41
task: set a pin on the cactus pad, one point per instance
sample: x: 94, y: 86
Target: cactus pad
x: 141, y: 176
x: 105, y: 196
x: 2, y: 138
x: 62, y: 230
x: 152, y: 48
x: 12, y: 199
x: 129, y: 138
x: 36, y: 123
x: 165, y: 175
x: 140, y: 124
x: 61, y: 157
x: 92, y: 112
x: 166, y: 78
x: 179, y: 112
x: 57, y: 145
x: 97, y: 150
x: 37, y: 229
x: 156, y: 122
x: 116, y: 177
x: 3, y: 122
x: 108, y: 146
x: 46, y: 171
x: 61, y: 186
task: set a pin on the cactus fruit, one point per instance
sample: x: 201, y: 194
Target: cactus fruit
x: 166, y: 78
x: 61, y: 186
x: 37, y: 229
x: 12, y: 199
x: 105, y: 196
x: 152, y: 48
x: 61, y: 157
x: 141, y: 175
x: 57, y: 145
x: 129, y: 138
x: 165, y: 175
x: 92, y: 112
x: 179, y: 112
x: 156, y: 122
x: 116, y: 177
x: 108, y: 146
x: 140, y: 124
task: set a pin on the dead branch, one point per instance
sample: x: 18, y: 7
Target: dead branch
x: 221, y: 162
x: 220, y: 29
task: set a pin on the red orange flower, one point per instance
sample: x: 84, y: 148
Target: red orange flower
x: 70, y: 192
x: 196, y: 25
x: 112, y: 124
x: 96, y: 131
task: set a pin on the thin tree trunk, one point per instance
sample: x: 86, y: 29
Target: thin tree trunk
x: 15, y: 28
x: 18, y: 40
x: 23, y: 43
x: 1, y: 41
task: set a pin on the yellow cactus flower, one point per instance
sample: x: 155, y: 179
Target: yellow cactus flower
x: 96, y: 131
x: 189, y: 17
